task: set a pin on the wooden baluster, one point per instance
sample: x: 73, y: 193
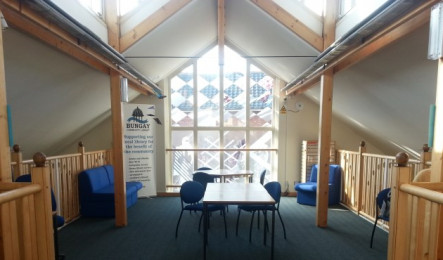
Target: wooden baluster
x: 398, y: 247
x: 17, y: 157
x: 361, y: 150
x: 43, y: 208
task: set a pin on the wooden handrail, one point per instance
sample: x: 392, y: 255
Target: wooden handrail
x: 424, y: 193
x: 220, y: 149
x: 22, y: 191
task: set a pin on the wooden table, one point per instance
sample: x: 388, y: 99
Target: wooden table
x: 225, y: 173
x: 236, y: 194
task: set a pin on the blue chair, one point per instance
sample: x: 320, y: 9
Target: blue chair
x: 204, y: 168
x: 307, y: 192
x: 274, y: 189
x: 382, y: 207
x: 262, y: 177
x: 57, y: 221
x: 203, y: 178
x: 191, y: 193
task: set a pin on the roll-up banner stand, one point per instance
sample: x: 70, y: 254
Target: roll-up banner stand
x: 138, y: 148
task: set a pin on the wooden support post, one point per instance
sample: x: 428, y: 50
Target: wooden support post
x: 437, y: 149
x: 81, y: 149
x: 17, y: 158
x: 399, y: 219
x: 324, y: 134
x: 43, y: 208
x: 121, y: 218
x: 5, y: 150
x: 112, y: 20
x: 359, y: 181
x: 324, y: 137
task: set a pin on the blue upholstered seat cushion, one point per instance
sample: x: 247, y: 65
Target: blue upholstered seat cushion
x: 307, y: 186
x: 94, y: 179
x: 137, y: 185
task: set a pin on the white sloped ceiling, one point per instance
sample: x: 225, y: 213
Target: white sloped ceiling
x: 55, y: 99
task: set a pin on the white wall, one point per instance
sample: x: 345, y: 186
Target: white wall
x: 303, y: 125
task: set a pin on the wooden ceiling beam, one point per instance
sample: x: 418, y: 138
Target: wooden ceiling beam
x: 112, y: 23
x: 150, y: 23
x: 292, y: 23
x: 392, y: 33
x: 23, y: 18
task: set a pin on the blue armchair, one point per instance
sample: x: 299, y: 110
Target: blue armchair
x: 307, y: 192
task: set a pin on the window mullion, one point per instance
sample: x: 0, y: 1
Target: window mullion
x: 221, y: 113
x: 248, y: 110
x: 195, y: 107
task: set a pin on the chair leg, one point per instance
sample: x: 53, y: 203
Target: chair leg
x: 265, y: 228
x: 250, y: 226
x: 258, y: 221
x: 224, y: 220
x: 284, y: 229
x: 236, y: 226
x: 200, y: 222
x: 178, y: 223
x: 373, y: 230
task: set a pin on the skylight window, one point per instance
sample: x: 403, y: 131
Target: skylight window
x: 96, y: 6
x: 366, y: 6
x: 315, y: 6
x: 126, y: 6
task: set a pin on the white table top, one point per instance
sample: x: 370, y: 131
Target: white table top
x: 237, y: 193
x: 226, y: 172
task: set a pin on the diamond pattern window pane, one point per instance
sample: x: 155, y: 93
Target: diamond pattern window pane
x: 209, y: 140
x: 208, y: 85
x: 260, y: 98
x: 243, y: 96
x: 234, y: 160
x: 234, y: 99
x: 182, y: 161
x: 182, y: 99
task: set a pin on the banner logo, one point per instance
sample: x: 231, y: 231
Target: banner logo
x: 136, y: 120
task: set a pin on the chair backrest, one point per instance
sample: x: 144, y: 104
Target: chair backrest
x: 27, y: 178
x: 262, y: 177
x: 191, y: 192
x: 383, y: 202
x: 274, y: 189
x: 204, y: 168
x: 203, y: 178
x: 334, y: 173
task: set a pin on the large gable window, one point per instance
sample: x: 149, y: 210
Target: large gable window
x: 221, y: 117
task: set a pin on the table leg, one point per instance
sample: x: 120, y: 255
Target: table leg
x: 273, y: 233
x: 265, y: 225
x: 205, y: 228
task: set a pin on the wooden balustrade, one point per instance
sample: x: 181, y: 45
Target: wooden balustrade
x: 365, y: 175
x: 26, y: 216
x: 416, y: 228
x: 64, y: 170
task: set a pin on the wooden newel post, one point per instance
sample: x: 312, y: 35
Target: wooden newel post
x: 43, y: 205
x: 359, y: 181
x: 399, y: 218
x: 425, y: 156
x: 81, y: 149
x: 17, y: 157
